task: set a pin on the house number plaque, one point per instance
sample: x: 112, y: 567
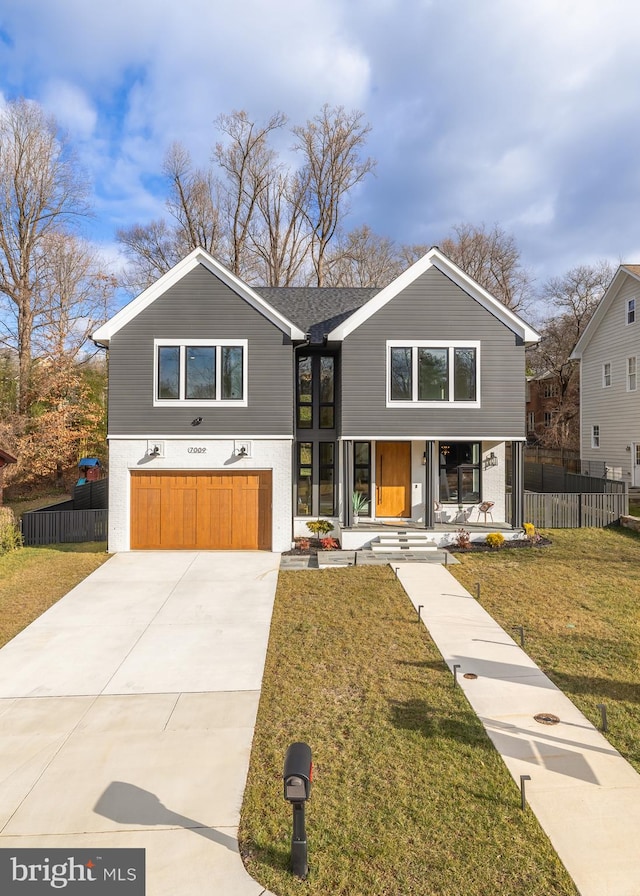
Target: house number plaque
x: 192, y: 449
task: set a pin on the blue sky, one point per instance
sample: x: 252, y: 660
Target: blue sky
x: 517, y: 112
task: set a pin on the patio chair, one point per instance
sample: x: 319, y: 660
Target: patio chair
x: 485, y: 508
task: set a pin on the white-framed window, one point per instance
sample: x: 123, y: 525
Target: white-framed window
x: 547, y: 418
x: 606, y: 375
x: 551, y: 390
x: 632, y: 378
x: 200, y: 372
x: 433, y: 373
x: 631, y: 311
x: 531, y: 421
x: 595, y: 436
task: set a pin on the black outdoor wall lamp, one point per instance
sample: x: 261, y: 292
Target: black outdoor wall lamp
x: 196, y: 421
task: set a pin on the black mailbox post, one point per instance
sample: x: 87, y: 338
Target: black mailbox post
x: 298, y: 771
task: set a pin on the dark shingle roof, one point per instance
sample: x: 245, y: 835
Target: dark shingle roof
x: 316, y: 310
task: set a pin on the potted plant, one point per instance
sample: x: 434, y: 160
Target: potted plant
x: 359, y: 503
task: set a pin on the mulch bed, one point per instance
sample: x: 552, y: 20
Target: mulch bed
x: 474, y: 548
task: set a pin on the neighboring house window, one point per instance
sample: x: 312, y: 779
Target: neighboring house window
x: 433, y: 374
x: 631, y: 374
x: 606, y: 375
x: 305, y: 470
x: 547, y: 418
x: 550, y: 390
x: 631, y: 311
x: 595, y: 436
x: 362, y: 472
x: 531, y: 421
x: 201, y: 372
x: 460, y: 472
x: 316, y: 392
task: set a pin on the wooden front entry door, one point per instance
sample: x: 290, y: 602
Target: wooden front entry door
x: 393, y: 479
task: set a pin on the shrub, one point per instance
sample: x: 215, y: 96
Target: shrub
x: 10, y: 535
x: 495, y: 539
x: 303, y: 543
x: 463, y: 539
x: 529, y: 530
x: 329, y: 544
x: 320, y: 527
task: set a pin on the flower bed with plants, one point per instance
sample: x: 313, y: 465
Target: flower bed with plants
x: 495, y: 541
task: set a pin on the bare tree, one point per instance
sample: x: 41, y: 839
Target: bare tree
x: 250, y: 169
x: 362, y: 258
x: 330, y: 145
x: 193, y: 201
x: 41, y: 191
x: 75, y: 296
x: 571, y: 300
x: 492, y: 258
x: 280, y: 238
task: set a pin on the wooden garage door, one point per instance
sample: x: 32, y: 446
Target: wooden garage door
x: 213, y: 510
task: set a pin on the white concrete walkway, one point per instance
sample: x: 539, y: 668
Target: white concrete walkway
x: 584, y: 794
x: 127, y: 713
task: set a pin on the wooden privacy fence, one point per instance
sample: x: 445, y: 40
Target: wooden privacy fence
x: 561, y: 510
x: 61, y: 526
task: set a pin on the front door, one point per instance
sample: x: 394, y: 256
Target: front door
x: 393, y: 479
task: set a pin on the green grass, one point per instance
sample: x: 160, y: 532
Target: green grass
x: 634, y: 508
x: 578, y: 602
x: 32, y: 579
x: 409, y: 796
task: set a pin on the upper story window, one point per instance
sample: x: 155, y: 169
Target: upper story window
x: 632, y: 378
x: 551, y: 390
x: 201, y: 372
x: 631, y: 311
x: 316, y: 392
x: 606, y: 375
x: 595, y: 436
x: 433, y: 374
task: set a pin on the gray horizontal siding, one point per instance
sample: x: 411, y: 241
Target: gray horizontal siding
x: 433, y: 308
x: 200, y: 307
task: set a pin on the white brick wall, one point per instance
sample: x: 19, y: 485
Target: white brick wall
x: 220, y: 454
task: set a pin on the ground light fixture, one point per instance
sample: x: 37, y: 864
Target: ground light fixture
x: 297, y: 774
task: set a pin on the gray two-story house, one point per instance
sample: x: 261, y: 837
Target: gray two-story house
x: 237, y: 414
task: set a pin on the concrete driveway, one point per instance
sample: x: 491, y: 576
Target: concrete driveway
x: 127, y: 713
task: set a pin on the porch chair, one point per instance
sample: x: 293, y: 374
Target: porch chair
x: 438, y: 512
x: 485, y: 508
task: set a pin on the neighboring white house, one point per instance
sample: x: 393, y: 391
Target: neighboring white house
x: 609, y: 352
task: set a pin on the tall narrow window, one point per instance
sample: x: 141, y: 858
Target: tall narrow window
x: 606, y: 375
x: 362, y: 472
x: 169, y: 371
x: 401, y: 379
x: 631, y: 374
x: 305, y: 393
x: 595, y: 436
x: 327, y: 392
x: 231, y: 372
x: 631, y: 311
x: 464, y: 374
x: 327, y: 478
x: 305, y: 470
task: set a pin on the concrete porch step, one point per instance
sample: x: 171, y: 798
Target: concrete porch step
x: 401, y: 541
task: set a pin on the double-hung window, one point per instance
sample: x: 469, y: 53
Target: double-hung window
x: 631, y: 311
x: 433, y: 373
x: 201, y: 372
x: 595, y: 436
x: 606, y: 374
x: 632, y: 377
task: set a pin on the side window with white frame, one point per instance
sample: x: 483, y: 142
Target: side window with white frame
x: 606, y: 374
x: 632, y: 378
x: 433, y: 373
x: 595, y: 436
x: 631, y: 311
x: 200, y: 372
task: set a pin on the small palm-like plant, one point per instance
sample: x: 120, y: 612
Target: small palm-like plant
x: 359, y: 503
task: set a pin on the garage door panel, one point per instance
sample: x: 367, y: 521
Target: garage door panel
x: 206, y: 510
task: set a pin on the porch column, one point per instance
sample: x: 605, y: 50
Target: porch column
x: 347, y: 482
x: 517, y: 484
x: 429, y: 492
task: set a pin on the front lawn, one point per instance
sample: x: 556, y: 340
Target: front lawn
x: 578, y: 601
x: 409, y: 796
x: 32, y: 579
